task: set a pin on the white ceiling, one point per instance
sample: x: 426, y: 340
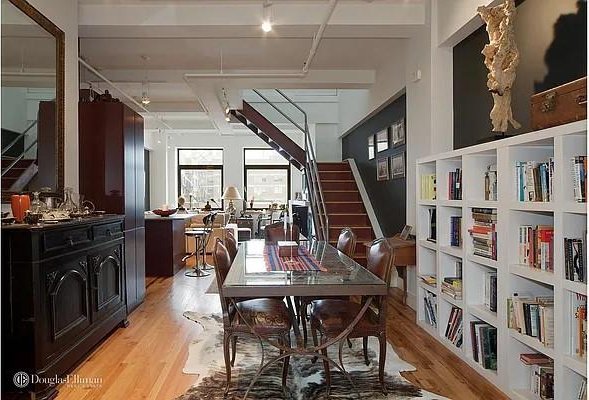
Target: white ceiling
x: 198, y: 36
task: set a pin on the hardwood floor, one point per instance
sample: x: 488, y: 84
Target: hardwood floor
x: 145, y: 360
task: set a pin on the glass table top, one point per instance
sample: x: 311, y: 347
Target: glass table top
x: 249, y: 275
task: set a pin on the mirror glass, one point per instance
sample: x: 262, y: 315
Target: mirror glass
x: 30, y: 102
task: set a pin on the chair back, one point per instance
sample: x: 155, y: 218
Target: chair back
x: 380, y: 259
x: 230, y: 244
x: 222, y: 263
x: 275, y: 232
x: 346, y: 242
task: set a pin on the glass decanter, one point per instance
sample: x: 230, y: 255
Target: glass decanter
x: 68, y: 202
x: 37, y: 206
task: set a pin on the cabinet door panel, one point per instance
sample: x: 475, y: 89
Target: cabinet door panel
x: 106, y: 266
x: 66, y: 301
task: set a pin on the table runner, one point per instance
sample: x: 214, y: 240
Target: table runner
x: 303, y: 261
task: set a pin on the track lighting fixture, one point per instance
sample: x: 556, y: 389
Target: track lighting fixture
x: 267, y: 21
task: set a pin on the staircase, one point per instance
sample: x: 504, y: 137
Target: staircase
x: 344, y: 206
x: 19, y: 175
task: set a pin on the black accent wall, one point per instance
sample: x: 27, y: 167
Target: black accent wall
x: 387, y: 197
x: 551, y: 36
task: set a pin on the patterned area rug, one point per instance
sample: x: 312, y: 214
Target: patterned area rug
x: 305, y: 380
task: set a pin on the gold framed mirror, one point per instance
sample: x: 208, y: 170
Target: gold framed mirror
x: 33, y: 101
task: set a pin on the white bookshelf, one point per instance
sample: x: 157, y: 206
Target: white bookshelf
x: 569, y: 220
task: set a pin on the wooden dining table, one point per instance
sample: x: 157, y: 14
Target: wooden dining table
x: 251, y: 276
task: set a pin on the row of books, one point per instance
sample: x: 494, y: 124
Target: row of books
x: 454, y: 327
x: 579, y: 176
x: 574, y: 260
x: 484, y: 233
x: 491, y: 291
x: 532, y: 316
x: 456, y: 231
x: 541, y: 374
x: 491, y: 182
x: 429, y: 279
x: 430, y: 305
x: 534, y: 180
x: 455, y: 184
x: 536, y: 246
x: 579, y: 325
x: 432, y: 225
x: 428, y: 187
x: 452, y: 286
x: 484, y: 344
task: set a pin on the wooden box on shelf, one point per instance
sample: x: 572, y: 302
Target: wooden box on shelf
x: 560, y: 105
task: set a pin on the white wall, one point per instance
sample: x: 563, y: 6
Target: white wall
x: 457, y: 19
x: 352, y: 107
x: 328, y: 145
x: 64, y: 14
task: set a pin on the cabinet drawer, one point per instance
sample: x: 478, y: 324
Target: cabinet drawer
x: 107, y: 231
x: 58, y: 240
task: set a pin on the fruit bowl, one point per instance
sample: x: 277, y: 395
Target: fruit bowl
x: 164, y: 213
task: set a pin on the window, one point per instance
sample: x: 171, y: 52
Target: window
x: 267, y: 177
x: 200, y: 174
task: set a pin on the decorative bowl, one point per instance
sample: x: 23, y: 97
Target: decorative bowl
x: 164, y: 213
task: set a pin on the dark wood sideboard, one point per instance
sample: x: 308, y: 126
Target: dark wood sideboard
x: 165, y: 244
x: 63, y: 291
x: 112, y: 176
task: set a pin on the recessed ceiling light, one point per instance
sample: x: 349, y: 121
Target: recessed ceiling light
x: 267, y: 26
x: 145, y: 100
x: 267, y: 21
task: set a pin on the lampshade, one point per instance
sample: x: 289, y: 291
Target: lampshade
x: 231, y: 193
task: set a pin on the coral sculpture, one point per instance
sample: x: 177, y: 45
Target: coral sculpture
x: 501, y: 59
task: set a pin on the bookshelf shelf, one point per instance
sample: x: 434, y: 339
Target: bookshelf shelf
x: 428, y: 244
x: 532, y: 206
x: 576, y: 287
x: 494, y: 170
x: 481, y: 312
x: 575, y: 208
x: 532, y: 342
x: 533, y: 274
x: 577, y: 364
x: 451, y: 250
x: 482, y: 260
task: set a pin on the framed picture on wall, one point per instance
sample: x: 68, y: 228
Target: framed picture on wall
x: 382, y: 140
x: 398, y: 166
x: 382, y: 169
x: 398, y: 132
x: 371, y: 147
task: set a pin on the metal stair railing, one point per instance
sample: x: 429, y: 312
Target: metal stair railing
x: 311, y: 181
x: 18, y: 137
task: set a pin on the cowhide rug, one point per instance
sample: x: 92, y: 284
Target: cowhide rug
x: 306, y: 381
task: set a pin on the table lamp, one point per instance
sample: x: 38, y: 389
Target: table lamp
x: 231, y: 193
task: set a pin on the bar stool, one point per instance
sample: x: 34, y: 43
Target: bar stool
x: 201, y: 237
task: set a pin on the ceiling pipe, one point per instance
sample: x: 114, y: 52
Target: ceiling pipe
x: 316, y: 40
x: 121, y: 91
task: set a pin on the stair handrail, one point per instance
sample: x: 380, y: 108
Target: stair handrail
x: 18, y: 137
x: 314, y: 173
x: 17, y: 159
x: 317, y: 200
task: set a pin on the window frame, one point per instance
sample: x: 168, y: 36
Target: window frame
x: 218, y: 167
x: 247, y: 167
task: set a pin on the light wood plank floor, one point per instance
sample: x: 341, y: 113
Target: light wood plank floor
x: 145, y: 360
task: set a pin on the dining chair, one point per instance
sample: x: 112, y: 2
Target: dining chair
x: 275, y: 232
x: 331, y: 317
x: 266, y: 317
x: 346, y: 243
x: 231, y: 244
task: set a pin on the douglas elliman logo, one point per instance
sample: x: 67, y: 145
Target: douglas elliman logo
x: 21, y: 380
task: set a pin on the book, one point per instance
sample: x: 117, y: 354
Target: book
x: 454, y: 326
x: 578, y: 326
x: 534, y: 180
x: 429, y: 279
x: 483, y: 232
x: 455, y: 231
x: 455, y: 184
x: 432, y: 225
x: 428, y: 186
x: 535, y: 359
x: 536, y: 247
x: 578, y: 176
x: 491, y: 291
x: 575, y: 259
x: 430, y: 304
x: 532, y: 316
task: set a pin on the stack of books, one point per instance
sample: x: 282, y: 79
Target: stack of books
x: 532, y: 316
x: 491, y: 291
x: 574, y: 260
x: 455, y: 185
x: 484, y: 233
x: 579, y: 325
x: 429, y: 279
x: 430, y: 305
x: 534, y: 180
x: 454, y: 327
x: 579, y: 175
x: 428, y: 187
x: 536, y: 247
x: 491, y: 182
x: 484, y: 344
x: 541, y: 374
x: 452, y: 286
x: 456, y: 231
